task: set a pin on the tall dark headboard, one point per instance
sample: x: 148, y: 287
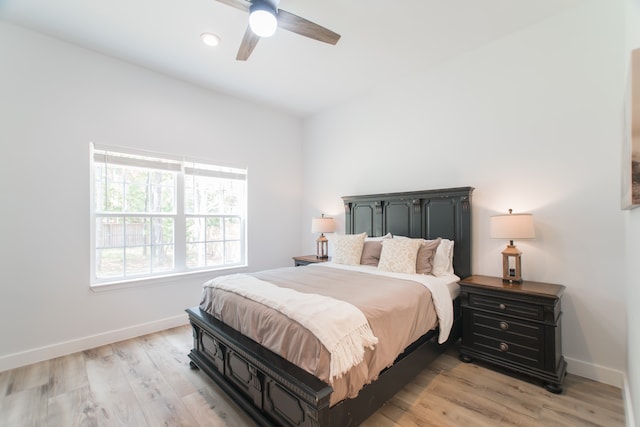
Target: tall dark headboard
x: 427, y: 214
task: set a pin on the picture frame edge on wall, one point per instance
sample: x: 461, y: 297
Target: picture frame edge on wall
x: 631, y: 136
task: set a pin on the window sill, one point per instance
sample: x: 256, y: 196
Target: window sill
x: 161, y: 280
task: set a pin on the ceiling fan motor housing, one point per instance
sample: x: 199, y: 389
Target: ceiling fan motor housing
x: 268, y: 5
x: 263, y: 18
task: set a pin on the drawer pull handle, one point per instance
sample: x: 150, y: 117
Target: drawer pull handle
x: 504, y: 326
x: 504, y: 347
x: 502, y: 306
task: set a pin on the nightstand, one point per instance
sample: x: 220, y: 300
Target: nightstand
x: 308, y: 259
x: 514, y: 326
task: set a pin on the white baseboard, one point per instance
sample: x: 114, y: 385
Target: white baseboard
x: 628, y: 404
x: 35, y: 355
x: 594, y: 372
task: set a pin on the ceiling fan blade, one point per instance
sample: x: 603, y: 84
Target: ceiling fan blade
x: 249, y: 42
x: 238, y: 4
x: 301, y: 26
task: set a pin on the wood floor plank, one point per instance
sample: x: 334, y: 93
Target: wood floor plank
x: 171, y: 361
x: 500, y: 392
x: 110, y: 389
x: 436, y: 411
x: 378, y: 420
x: 181, y: 337
x: 168, y: 411
x: 578, y: 412
x: 159, y: 401
x: 596, y: 393
x: 25, y: 408
x: 147, y: 382
x: 400, y: 413
x: 67, y: 373
x: 99, y: 352
x: 568, y: 419
x: 478, y: 402
x: 516, y: 397
x: 74, y: 408
x: 204, y: 413
x: 29, y: 376
x: 5, y: 376
x: 218, y: 402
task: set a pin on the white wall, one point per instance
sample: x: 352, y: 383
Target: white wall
x: 533, y: 122
x: 54, y: 99
x: 632, y: 222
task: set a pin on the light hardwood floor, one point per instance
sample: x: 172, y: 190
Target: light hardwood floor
x: 147, y: 382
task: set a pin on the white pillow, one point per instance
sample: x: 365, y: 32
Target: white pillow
x: 399, y: 255
x: 347, y: 248
x: 443, y: 260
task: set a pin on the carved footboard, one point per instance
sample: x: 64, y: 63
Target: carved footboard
x: 269, y: 388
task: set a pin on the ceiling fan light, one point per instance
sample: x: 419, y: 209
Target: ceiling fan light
x: 262, y: 20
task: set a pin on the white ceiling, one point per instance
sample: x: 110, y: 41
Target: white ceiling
x: 381, y: 40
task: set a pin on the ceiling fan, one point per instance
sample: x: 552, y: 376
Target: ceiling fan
x: 265, y: 17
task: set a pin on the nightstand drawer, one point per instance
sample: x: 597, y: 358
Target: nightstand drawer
x: 506, y: 306
x: 507, y: 350
x: 506, y: 328
x: 507, y: 339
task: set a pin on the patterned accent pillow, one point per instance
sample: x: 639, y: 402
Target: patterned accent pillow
x: 426, y: 253
x: 347, y: 248
x: 399, y: 255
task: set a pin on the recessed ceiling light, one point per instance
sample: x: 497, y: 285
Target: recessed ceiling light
x: 210, y: 39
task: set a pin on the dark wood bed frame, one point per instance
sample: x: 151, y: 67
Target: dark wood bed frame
x: 275, y: 392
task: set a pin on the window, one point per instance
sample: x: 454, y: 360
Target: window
x: 155, y: 215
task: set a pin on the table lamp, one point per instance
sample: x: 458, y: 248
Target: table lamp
x: 512, y: 227
x: 322, y: 225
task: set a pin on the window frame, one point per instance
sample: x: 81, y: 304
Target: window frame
x: 179, y: 216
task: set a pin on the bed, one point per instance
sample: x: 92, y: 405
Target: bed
x: 274, y: 390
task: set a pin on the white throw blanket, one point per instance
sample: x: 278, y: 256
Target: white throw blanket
x: 341, y: 327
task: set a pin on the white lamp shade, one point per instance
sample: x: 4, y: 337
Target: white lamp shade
x: 323, y: 225
x: 512, y: 227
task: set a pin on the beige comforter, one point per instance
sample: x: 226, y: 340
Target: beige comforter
x: 398, y: 311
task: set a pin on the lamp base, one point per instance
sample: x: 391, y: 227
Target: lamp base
x: 511, y: 265
x: 322, y: 247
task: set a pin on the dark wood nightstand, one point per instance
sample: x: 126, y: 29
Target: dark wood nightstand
x: 308, y: 259
x: 515, y: 326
